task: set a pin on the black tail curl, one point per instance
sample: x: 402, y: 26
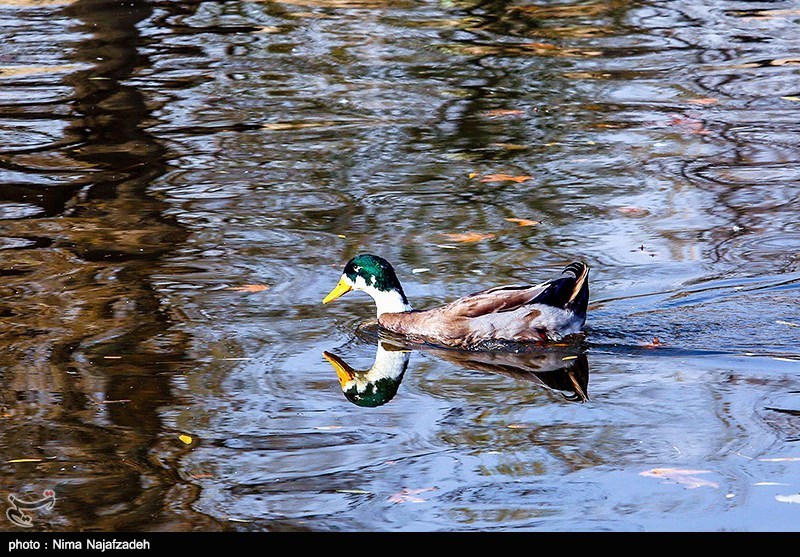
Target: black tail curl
x: 569, y: 292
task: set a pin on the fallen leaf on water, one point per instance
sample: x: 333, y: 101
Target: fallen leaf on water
x: 469, y: 237
x: 409, y: 495
x: 704, y: 101
x: 24, y: 460
x: 655, y: 344
x: 567, y: 358
x: 504, y: 112
x: 633, y: 210
x: 185, y: 439
x: 511, y: 146
x: 249, y: 288
x: 788, y: 498
x: 780, y: 322
x: 781, y: 459
x: 691, y: 125
x: 354, y: 491
x: 686, y: 478
x: 791, y: 98
x: 489, y: 178
x: 420, y: 270
x: 542, y: 46
x: 517, y: 426
x: 785, y: 62
x: 471, y: 175
x: 524, y: 222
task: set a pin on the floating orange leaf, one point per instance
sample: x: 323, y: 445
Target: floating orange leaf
x: 655, y: 344
x: 469, y: 237
x: 687, y: 478
x: 524, y: 222
x: 185, y: 439
x: 499, y: 112
x: 691, y: 125
x: 249, y: 288
x: 410, y: 495
x: 632, y: 210
x: 505, y: 178
x: 703, y: 101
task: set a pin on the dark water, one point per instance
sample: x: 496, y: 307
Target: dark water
x: 157, y: 156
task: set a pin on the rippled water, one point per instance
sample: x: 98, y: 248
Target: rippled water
x: 161, y: 163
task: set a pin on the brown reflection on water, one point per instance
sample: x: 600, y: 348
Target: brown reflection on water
x: 88, y: 351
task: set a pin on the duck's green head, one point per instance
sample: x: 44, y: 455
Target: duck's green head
x: 375, y: 276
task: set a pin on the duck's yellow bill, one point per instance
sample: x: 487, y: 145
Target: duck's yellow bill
x: 343, y: 371
x: 341, y: 289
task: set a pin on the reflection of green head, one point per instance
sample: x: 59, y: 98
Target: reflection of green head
x: 374, y: 394
x: 376, y: 386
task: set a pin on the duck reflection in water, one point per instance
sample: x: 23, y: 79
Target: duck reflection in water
x: 561, y: 369
x: 378, y: 384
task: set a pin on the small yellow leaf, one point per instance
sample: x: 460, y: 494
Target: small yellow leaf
x: 517, y: 426
x: 791, y: 98
x: 354, y: 491
x: 489, y: 178
x: 24, y: 460
x: 471, y: 175
x: 524, y: 222
x: 567, y: 358
x: 511, y: 146
x: 469, y: 237
x: 185, y: 439
x: 249, y: 288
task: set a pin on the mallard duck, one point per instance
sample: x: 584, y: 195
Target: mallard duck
x: 518, y: 313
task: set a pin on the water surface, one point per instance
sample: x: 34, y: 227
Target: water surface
x: 181, y: 184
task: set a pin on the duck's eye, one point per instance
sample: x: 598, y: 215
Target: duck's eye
x: 356, y: 268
